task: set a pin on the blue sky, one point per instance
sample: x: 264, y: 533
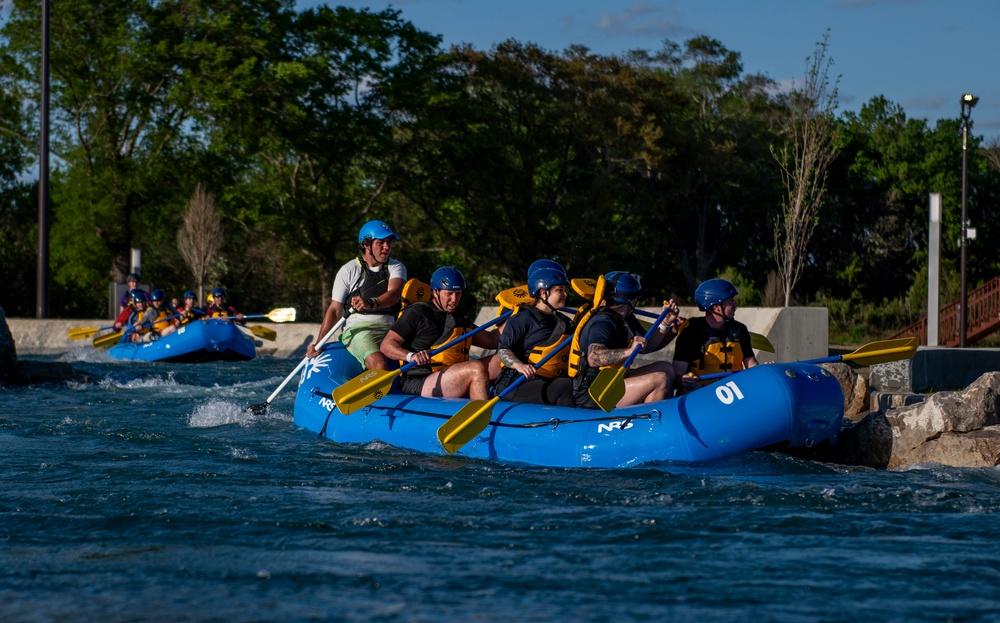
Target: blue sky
x: 921, y: 54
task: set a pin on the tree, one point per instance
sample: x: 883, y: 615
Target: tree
x: 804, y: 160
x: 132, y: 81
x: 200, y: 237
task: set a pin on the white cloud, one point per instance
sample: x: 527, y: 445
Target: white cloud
x: 644, y: 18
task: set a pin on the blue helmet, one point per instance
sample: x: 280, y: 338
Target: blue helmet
x: 190, y: 295
x: 158, y: 295
x: 713, y: 292
x: 376, y: 230
x: 216, y: 293
x: 539, y: 264
x: 447, y: 278
x: 622, y: 287
x: 137, y: 295
x: 546, y: 278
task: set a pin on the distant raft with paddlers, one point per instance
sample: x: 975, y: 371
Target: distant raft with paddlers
x: 766, y: 407
x: 195, y: 342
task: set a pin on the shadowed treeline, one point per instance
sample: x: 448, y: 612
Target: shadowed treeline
x: 303, y: 125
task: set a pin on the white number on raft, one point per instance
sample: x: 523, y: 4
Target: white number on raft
x: 612, y: 426
x: 728, y: 393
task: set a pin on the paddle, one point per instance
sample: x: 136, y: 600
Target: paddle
x: 609, y: 386
x: 82, y: 333
x: 264, y: 333
x: 282, y: 314
x: 261, y: 409
x: 473, y: 418
x: 111, y: 338
x: 868, y: 355
x: 371, y: 385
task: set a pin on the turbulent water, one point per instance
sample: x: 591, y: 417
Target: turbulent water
x: 149, y: 494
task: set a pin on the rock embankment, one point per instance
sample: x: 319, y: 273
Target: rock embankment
x: 957, y: 428
x: 14, y: 372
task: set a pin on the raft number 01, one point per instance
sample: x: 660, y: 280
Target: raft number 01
x: 728, y: 393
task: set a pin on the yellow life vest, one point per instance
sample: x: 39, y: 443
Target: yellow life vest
x: 556, y: 366
x: 719, y: 354
x: 161, y: 323
x: 454, y: 354
x: 577, y: 360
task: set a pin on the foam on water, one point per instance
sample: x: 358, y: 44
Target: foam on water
x: 154, y: 494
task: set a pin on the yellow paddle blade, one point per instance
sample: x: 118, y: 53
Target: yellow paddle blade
x: 82, y: 333
x: 584, y: 287
x: 760, y: 342
x: 465, y: 425
x: 883, y: 351
x: 512, y: 297
x: 363, y: 390
x: 263, y: 332
x: 608, y: 388
x: 282, y: 314
x: 108, y: 340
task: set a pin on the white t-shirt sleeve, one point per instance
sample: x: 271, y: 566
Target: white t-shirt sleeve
x: 396, y: 269
x: 347, y: 279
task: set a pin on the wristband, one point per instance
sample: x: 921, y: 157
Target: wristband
x: 373, y: 302
x: 409, y: 357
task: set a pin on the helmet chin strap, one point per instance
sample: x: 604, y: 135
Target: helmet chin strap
x: 548, y: 293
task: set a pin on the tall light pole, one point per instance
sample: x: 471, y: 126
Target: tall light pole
x: 42, y: 280
x: 968, y: 101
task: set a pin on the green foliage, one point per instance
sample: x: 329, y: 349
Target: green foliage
x: 306, y: 124
x: 750, y: 295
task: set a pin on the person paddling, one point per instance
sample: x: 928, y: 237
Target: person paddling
x: 715, y: 342
x: 610, y: 335
x: 220, y: 307
x: 532, y: 333
x: 367, y: 291
x: 424, y: 326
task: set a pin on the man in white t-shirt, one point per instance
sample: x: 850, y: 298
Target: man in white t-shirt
x: 367, y: 290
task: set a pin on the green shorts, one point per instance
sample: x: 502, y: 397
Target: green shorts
x: 364, y: 338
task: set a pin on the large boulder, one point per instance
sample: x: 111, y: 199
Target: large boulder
x: 14, y: 372
x: 854, y: 386
x: 8, y: 352
x: 956, y: 428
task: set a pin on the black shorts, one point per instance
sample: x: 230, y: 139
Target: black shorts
x: 581, y: 394
x: 412, y: 385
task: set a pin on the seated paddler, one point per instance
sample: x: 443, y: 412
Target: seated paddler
x: 531, y: 334
x: 424, y: 327
x: 715, y: 342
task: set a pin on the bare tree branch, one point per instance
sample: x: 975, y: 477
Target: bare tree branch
x: 804, y: 159
x: 200, y: 237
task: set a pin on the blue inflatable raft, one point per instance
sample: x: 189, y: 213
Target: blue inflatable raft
x: 769, y: 406
x: 195, y: 342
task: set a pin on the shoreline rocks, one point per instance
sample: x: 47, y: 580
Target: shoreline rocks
x: 26, y: 372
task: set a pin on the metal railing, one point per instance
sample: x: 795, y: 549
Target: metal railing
x: 983, y: 318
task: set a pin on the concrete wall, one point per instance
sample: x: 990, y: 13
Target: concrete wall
x: 796, y: 332
x: 934, y: 368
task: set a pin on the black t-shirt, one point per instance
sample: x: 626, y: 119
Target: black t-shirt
x: 524, y: 331
x: 697, y: 334
x: 422, y: 325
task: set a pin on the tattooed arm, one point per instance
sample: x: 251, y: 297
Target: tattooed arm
x: 598, y: 355
x: 508, y: 359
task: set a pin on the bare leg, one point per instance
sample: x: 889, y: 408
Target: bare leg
x: 462, y: 380
x: 376, y: 361
x: 649, y: 383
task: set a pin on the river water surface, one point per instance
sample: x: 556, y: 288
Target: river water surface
x: 149, y: 494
